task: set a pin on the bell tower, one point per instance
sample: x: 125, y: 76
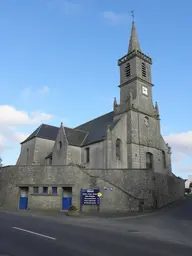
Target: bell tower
x: 135, y: 76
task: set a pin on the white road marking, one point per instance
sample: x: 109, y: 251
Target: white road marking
x: 34, y: 233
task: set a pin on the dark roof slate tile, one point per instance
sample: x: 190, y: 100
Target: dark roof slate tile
x: 85, y: 134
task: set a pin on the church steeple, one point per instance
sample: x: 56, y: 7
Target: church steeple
x: 134, y: 41
x: 135, y: 77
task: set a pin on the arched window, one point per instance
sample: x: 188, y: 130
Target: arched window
x: 190, y: 185
x: 149, y: 160
x: 118, y: 149
x: 164, y: 159
x: 60, y: 145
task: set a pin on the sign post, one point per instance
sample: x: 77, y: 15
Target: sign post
x: 90, y: 197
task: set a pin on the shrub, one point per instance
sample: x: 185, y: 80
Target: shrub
x: 72, y: 208
x: 187, y: 190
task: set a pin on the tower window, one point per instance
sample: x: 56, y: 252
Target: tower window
x: 143, y: 67
x: 59, y: 144
x: 118, y: 149
x: 87, y: 155
x: 127, y: 70
x: 149, y: 160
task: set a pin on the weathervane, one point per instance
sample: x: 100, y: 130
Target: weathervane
x: 133, y: 16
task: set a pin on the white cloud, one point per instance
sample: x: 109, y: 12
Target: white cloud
x: 28, y: 92
x: 11, y: 116
x: 115, y: 18
x: 181, y: 142
x: 12, y: 121
x: 2, y: 143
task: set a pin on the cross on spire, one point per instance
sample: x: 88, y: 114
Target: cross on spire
x: 133, y: 15
x: 134, y: 41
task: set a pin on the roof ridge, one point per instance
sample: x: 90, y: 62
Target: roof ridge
x: 50, y: 125
x: 38, y: 130
x: 84, y: 138
x: 94, y: 119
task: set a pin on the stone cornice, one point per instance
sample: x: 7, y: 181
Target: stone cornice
x: 133, y: 79
x: 133, y: 54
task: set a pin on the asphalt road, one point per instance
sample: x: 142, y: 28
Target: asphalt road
x: 160, y: 234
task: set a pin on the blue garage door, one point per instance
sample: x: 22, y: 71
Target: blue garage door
x: 66, y: 203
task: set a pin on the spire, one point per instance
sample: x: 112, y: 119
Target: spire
x: 134, y: 41
x: 156, y: 107
x: 114, y: 103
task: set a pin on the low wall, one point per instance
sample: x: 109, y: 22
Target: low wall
x: 129, y: 187
x: 156, y: 189
x: 167, y: 189
x: 12, y: 178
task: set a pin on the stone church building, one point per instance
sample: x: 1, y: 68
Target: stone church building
x: 122, y: 154
x: 127, y: 137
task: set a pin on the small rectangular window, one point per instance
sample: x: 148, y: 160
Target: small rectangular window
x: 35, y: 190
x: 87, y: 155
x: 45, y: 190
x: 54, y: 190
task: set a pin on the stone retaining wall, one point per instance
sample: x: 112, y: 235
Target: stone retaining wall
x: 129, y: 187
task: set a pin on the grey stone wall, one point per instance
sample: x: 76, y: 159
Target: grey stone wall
x: 74, y: 154
x: 60, y: 148
x: 118, y: 132
x: 97, y: 155
x: 14, y: 177
x: 34, y: 151
x: 129, y: 187
x: 145, y: 184
x: 27, y: 153
x: 42, y: 149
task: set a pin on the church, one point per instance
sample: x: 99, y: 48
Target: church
x: 121, y: 154
x: 128, y: 137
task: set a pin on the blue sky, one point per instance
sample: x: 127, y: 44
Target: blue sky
x: 58, y: 62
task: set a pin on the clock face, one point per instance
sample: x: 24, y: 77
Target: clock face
x: 144, y: 90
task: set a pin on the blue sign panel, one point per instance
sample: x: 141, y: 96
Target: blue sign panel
x: 110, y: 189
x: 90, y: 197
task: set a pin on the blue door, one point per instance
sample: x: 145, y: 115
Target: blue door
x: 66, y: 203
x: 23, y: 202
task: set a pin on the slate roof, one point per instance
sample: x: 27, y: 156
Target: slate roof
x: 44, y: 131
x: 75, y: 137
x: 96, y: 128
x: 85, y: 134
x: 49, y: 156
